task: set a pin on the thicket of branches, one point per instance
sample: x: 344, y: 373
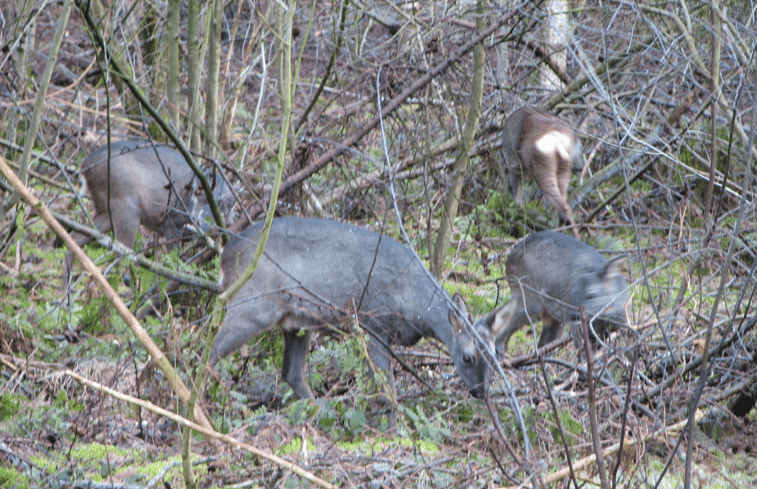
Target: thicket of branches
x: 390, y: 123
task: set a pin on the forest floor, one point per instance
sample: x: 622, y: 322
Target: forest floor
x: 59, y: 433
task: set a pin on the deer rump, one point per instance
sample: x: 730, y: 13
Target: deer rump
x: 141, y: 184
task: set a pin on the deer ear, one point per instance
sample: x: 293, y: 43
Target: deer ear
x: 612, y: 270
x: 455, y: 322
x: 487, y: 319
x: 454, y: 318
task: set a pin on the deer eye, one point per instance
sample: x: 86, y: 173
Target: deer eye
x: 467, y: 359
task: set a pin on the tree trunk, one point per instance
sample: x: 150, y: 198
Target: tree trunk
x: 452, y: 200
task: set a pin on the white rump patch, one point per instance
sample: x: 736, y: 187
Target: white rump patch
x: 555, y: 141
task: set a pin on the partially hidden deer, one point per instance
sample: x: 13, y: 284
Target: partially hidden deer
x: 137, y: 183
x: 545, y: 147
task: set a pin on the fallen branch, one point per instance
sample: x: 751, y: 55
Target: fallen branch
x: 124, y: 252
x: 533, y: 357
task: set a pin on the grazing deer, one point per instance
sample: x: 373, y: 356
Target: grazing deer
x: 142, y: 184
x: 551, y: 275
x: 544, y: 146
x: 316, y: 271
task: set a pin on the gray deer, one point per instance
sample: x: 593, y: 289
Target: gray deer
x: 542, y: 145
x: 142, y: 184
x: 550, y: 276
x: 318, y: 271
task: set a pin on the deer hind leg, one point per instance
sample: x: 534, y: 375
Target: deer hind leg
x: 296, y: 348
x: 551, y: 192
x: 515, y: 182
x: 551, y: 330
x: 127, y: 226
x: 563, y: 179
x: 552, y: 173
x: 514, y: 167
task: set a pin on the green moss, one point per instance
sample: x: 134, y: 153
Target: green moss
x: 426, y: 446
x: 370, y: 446
x: 96, y: 451
x: 10, y: 405
x: 10, y: 479
x: 569, y: 425
x: 295, y: 447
